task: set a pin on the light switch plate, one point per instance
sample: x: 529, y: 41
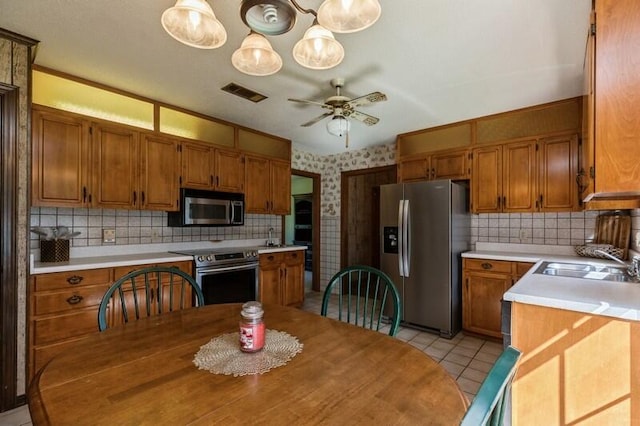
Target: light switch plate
x: 108, y: 235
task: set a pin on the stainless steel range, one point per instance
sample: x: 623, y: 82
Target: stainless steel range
x: 226, y: 275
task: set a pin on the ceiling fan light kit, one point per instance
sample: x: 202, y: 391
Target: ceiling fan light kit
x: 256, y: 56
x: 193, y: 23
x: 338, y: 126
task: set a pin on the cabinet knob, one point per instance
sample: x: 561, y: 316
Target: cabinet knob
x: 75, y: 279
x: 75, y: 299
x: 486, y: 265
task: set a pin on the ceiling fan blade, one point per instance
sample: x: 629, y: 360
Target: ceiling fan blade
x: 367, y: 119
x: 304, y: 101
x: 367, y: 99
x: 318, y: 118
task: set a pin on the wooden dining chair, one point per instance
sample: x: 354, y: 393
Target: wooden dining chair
x: 363, y: 295
x: 488, y: 407
x: 149, y: 291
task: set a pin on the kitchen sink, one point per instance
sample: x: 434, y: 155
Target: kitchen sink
x: 586, y: 271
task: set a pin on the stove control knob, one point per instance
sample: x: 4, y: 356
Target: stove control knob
x: 209, y: 258
x: 200, y: 258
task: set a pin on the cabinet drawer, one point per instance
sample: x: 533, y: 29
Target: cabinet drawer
x: 271, y: 259
x: 67, y: 280
x: 121, y: 271
x: 78, y: 298
x: 486, y: 265
x: 294, y: 257
x: 51, y: 329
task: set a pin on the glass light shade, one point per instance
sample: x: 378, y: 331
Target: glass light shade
x: 348, y: 16
x: 193, y: 23
x: 338, y: 126
x: 256, y: 56
x: 318, y: 49
x: 268, y: 17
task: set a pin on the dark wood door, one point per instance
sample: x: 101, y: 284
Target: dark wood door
x: 360, y: 214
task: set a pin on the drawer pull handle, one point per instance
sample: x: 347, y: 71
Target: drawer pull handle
x: 75, y: 279
x: 294, y: 255
x: 270, y: 257
x: 486, y: 265
x: 75, y: 299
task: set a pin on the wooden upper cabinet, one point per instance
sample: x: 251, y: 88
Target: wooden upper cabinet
x: 197, y: 165
x: 258, y: 185
x: 60, y: 159
x: 115, y: 165
x: 159, y: 173
x: 527, y: 176
x: 267, y: 186
x: 280, y: 187
x: 557, y: 165
x: 448, y: 164
x: 229, y: 166
x: 486, y: 180
x: 519, y: 177
x: 617, y: 97
x: 207, y: 167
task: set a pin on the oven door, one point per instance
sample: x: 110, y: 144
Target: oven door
x: 228, y: 284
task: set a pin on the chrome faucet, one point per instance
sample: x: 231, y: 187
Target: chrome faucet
x: 270, y: 240
x: 633, y: 268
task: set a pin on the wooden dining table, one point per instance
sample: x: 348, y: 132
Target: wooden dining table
x: 143, y: 373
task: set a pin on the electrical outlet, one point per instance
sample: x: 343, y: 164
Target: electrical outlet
x: 108, y: 235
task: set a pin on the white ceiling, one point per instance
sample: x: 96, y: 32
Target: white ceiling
x: 438, y: 61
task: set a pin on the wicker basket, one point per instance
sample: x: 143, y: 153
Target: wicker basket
x: 595, y: 250
x: 54, y: 250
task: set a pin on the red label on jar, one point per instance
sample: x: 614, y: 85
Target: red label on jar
x: 251, y: 337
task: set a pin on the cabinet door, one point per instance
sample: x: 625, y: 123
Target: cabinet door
x: 617, y: 97
x: 293, y: 285
x: 450, y: 165
x: 271, y: 273
x: 280, y: 188
x: 257, y: 185
x: 519, y: 177
x: 486, y: 184
x: 482, y: 294
x: 115, y: 165
x: 414, y: 170
x: 197, y: 165
x: 229, y: 166
x: 557, y: 171
x: 159, y: 173
x: 60, y: 160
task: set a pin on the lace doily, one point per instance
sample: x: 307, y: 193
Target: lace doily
x: 222, y: 355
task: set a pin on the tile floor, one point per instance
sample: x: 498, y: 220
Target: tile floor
x: 468, y: 359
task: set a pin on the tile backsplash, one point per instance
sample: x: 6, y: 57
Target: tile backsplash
x: 143, y: 227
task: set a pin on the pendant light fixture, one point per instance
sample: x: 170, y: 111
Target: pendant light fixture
x: 193, y: 23
x: 256, y: 56
x: 318, y: 49
x: 348, y: 16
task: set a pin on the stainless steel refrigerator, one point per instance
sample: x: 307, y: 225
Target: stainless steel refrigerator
x: 424, y: 228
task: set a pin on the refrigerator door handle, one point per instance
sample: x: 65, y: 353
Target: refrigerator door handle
x: 406, y: 229
x: 400, y: 238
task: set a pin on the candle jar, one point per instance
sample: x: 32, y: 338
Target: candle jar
x: 251, y: 327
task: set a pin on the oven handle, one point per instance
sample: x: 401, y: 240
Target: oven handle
x: 201, y: 271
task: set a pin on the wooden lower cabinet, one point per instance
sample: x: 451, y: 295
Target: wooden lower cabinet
x: 63, y: 308
x: 576, y: 368
x: 282, y: 278
x: 484, y: 283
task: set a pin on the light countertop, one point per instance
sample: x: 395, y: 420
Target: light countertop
x: 128, y: 255
x: 598, y: 297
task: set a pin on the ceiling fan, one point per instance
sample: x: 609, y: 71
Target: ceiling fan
x: 342, y: 108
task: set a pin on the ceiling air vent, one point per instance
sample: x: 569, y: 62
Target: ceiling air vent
x: 243, y: 92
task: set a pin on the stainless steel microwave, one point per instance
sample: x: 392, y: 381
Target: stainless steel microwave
x: 208, y: 208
